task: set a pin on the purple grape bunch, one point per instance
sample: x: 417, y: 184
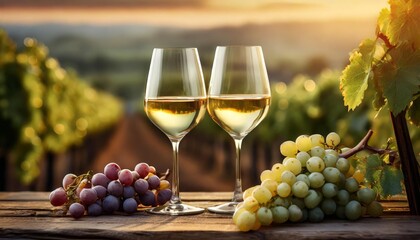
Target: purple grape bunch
x: 114, y: 190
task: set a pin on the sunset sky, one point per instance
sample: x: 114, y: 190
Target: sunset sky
x: 185, y: 13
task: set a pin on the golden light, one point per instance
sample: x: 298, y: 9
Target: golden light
x: 82, y: 124
x: 309, y: 85
x: 280, y: 87
x: 59, y: 128
x: 29, y: 132
x: 37, y: 102
x: 206, y: 13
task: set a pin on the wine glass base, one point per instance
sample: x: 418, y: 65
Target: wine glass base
x: 176, y: 210
x: 225, y: 208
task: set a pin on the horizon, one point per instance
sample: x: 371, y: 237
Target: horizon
x: 187, y: 13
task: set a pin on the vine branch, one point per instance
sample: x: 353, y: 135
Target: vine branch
x: 363, y: 145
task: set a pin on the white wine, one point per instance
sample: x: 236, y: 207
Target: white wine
x: 175, y: 116
x: 238, y: 114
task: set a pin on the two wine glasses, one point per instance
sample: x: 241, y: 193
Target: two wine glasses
x: 238, y: 99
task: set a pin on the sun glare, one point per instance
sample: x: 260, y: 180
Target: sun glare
x: 211, y: 13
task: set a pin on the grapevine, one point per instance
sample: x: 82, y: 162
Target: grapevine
x: 390, y: 63
x: 363, y: 145
x: 44, y: 108
x: 316, y: 179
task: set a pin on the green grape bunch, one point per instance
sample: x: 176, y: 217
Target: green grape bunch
x: 313, y: 181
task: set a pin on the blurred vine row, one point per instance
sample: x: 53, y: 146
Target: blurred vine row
x: 44, y: 108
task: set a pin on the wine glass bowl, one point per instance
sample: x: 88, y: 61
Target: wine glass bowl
x: 175, y: 101
x: 238, y: 100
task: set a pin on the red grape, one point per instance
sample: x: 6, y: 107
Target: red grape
x: 152, y: 169
x: 68, y: 179
x: 142, y: 169
x: 163, y: 196
x: 110, y: 204
x: 115, y: 188
x: 135, y: 175
x: 94, y: 209
x: 100, y: 179
x: 130, y: 205
x: 76, y: 210
x: 111, y: 171
x: 141, y: 186
x: 148, y: 199
x: 101, y: 191
x: 128, y: 192
x: 58, y: 197
x: 126, y: 177
x: 154, y: 182
x: 88, y: 196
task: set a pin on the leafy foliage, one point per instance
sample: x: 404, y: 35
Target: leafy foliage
x: 390, y: 62
x: 386, y: 179
x: 357, y: 74
x: 404, y: 22
x: 311, y: 105
x: 400, y: 77
x: 391, y: 181
x: 44, y: 108
x: 414, y: 112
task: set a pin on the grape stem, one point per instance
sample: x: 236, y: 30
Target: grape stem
x: 363, y: 145
x: 71, y: 189
x: 386, y: 40
x: 164, y: 175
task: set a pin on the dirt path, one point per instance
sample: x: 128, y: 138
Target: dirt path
x: 136, y: 140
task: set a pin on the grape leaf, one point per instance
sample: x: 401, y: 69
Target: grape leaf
x: 404, y: 22
x: 414, y: 112
x: 372, y: 175
x: 355, y: 77
x: 383, y: 21
x: 377, y: 176
x: 379, y: 100
x: 381, y: 70
x: 391, y: 181
x: 400, y: 77
x: 373, y: 161
x: 373, y: 166
x: 377, y: 187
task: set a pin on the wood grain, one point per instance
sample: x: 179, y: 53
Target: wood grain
x: 28, y: 215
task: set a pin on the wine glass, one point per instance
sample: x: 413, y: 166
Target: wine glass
x: 238, y: 100
x: 175, y: 101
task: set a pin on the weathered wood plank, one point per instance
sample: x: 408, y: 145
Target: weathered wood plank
x: 24, y: 196
x: 205, y: 226
x: 39, y: 201
x: 28, y: 215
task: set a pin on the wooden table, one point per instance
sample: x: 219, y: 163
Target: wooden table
x: 29, y: 215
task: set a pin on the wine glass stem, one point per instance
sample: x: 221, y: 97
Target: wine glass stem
x: 175, y: 199
x: 237, y: 194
